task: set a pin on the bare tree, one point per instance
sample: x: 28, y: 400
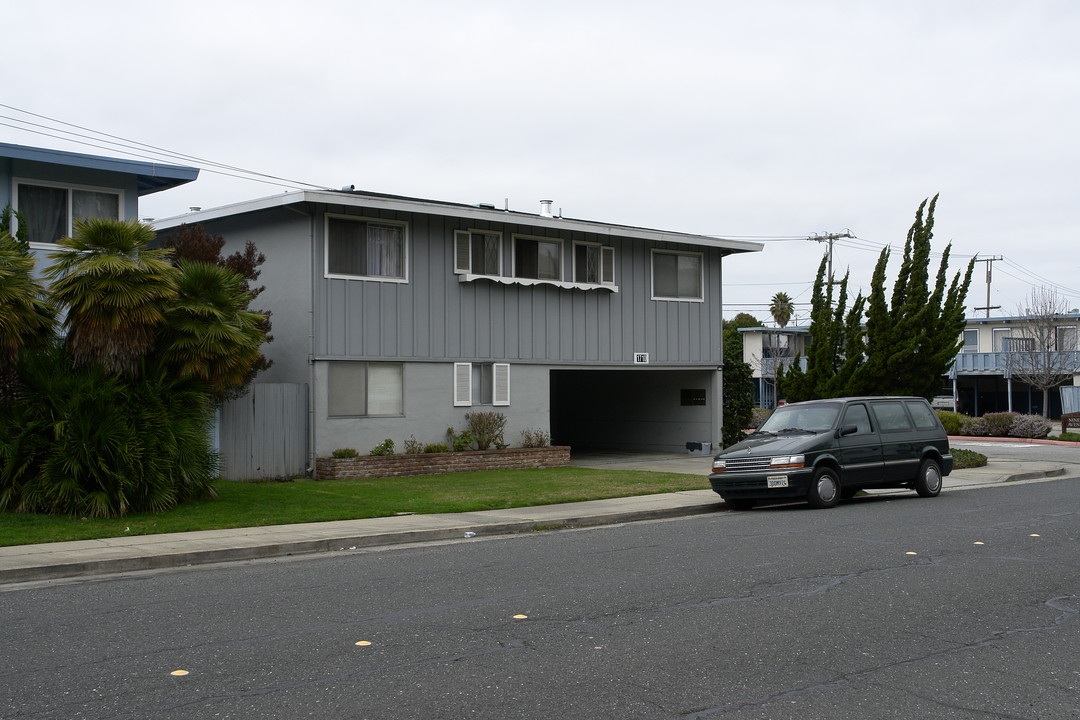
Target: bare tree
x: 1042, y: 350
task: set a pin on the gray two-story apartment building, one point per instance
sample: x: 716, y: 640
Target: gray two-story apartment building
x: 401, y: 315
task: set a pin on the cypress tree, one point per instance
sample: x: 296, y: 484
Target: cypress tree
x: 911, y: 340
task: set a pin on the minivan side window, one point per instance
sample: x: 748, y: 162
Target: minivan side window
x: 856, y: 415
x: 924, y: 417
x: 891, y: 416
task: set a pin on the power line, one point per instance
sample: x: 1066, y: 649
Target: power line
x: 134, y: 148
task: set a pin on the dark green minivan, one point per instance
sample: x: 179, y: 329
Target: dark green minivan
x: 824, y: 450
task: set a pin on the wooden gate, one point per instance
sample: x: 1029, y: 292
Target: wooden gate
x: 264, y: 435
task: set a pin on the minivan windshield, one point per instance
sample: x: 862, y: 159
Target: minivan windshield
x: 815, y: 418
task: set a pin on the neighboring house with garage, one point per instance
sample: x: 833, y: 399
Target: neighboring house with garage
x: 400, y: 315
x: 51, y: 189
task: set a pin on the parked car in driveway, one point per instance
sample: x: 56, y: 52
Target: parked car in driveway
x: 825, y: 450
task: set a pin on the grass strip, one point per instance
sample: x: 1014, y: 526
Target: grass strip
x: 300, y: 501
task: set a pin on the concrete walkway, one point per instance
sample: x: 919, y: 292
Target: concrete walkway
x: 34, y: 563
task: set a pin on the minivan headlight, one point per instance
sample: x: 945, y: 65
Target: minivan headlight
x: 719, y: 464
x: 789, y: 461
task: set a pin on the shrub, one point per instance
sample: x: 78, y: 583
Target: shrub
x: 459, y: 441
x: 413, y: 446
x: 386, y: 447
x: 967, y: 459
x: 999, y: 424
x: 977, y: 427
x: 82, y: 441
x: 531, y: 438
x: 436, y: 448
x: 486, y: 428
x: 953, y: 422
x: 1030, y: 426
x: 1069, y: 437
x: 345, y: 453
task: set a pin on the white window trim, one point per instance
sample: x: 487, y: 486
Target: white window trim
x: 607, y: 262
x: 378, y: 221
x: 500, y: 382
x: 540, y: 238
x: 652, y: 275
x: 500, y: 376
x: 463, y: 384
x: 466, y: 237
x: 17, y: 181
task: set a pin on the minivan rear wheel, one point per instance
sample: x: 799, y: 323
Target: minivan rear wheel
x: 824, y: 489
x: 928, y: 482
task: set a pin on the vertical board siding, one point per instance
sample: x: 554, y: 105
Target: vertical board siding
x: 264, y: 434
x: 434, y: 316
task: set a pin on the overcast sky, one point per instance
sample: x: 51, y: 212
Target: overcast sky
x: 756, y: 120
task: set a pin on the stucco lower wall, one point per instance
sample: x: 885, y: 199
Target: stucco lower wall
x: 430, y: 410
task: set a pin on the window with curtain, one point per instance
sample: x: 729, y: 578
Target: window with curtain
x: 365, y: 248
x: 677, y: 275
x: 49, y: 210
x: 365, y: 389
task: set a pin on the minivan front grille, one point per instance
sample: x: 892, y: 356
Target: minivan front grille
x: 748, y: 464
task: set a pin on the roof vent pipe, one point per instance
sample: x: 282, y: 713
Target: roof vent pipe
x: 545, y: 208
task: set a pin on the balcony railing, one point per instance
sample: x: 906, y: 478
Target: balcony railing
x: 770, y: 364
x: 997, y: 363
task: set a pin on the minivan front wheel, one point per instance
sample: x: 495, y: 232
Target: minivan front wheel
x: 928, y: 482
x: 824, y: 489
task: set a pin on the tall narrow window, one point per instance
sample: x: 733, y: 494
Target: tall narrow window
x: 365, y: 248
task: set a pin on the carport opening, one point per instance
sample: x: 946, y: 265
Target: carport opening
x: 632, y: 410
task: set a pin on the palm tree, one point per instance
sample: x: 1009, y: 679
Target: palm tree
x: 114, y: 289
x: 209, y: 334
x: 26, y: 320
x: 782, y: 308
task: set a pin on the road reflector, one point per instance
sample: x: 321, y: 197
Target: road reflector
x: 179, y: 673
x: 911, y: 553
x: 520, y: 617
x: 364, y: 643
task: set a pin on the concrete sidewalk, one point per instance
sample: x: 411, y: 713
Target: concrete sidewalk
x: 31, y: 563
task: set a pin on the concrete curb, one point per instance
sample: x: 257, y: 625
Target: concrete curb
x: 33, y: 563
x: 370, y: 539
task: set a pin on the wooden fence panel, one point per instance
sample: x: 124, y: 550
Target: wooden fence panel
x: 264, y: 435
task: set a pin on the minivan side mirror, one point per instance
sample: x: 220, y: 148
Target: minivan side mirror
x: 847, y: 430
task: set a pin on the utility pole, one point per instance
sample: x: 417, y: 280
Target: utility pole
x: 989, y: 275
x: 829, y: 238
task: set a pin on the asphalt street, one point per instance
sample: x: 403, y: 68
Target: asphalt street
x: 961, y: 606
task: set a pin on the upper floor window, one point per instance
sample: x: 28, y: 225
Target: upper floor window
x: 537, y: 258
x: 1065, y: 337
x: 594, y: 263
x: 50, y: 210
x: 677, y: 275
x: 971, y: 341
x: 365, y: 248
x: 477, y: 252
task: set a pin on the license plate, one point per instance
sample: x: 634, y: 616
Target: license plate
x: 777, y: 481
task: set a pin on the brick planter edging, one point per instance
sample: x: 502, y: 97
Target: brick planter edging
x: 400, y: 465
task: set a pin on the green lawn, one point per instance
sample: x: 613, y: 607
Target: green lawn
x: 254, y: 504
